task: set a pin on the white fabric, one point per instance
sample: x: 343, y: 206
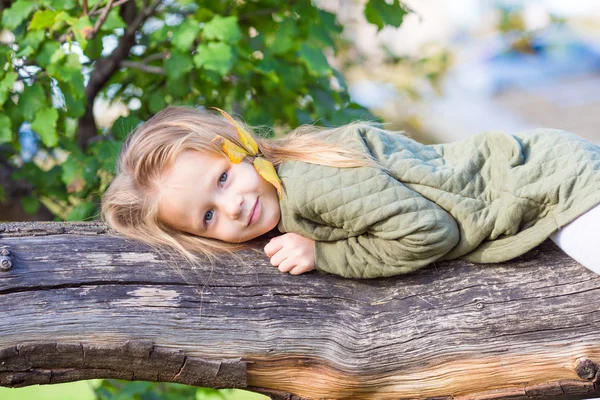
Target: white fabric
x: 580, y: 239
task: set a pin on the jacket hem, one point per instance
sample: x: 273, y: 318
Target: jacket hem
x: 501, y: 250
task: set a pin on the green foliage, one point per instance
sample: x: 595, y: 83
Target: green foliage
x: 263, y: 58
x: 113, y: 389
x: 380, y: 13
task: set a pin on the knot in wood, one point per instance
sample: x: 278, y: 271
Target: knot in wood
x: 5, y: 263
x: 585, y: 368
x: 5, y: 252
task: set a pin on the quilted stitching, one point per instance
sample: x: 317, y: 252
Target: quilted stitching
x: 488, y: 198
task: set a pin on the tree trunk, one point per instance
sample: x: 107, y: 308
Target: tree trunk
x: 12, y: 209
x: 79, y: 303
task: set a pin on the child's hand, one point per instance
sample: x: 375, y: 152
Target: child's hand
x: 293, y: 253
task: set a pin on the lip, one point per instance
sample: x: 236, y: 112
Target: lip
x: 254, y: 213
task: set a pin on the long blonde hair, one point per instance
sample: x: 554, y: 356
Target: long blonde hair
x: 130, y: 204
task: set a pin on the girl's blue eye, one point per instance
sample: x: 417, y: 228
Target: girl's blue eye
x: 209, y: 212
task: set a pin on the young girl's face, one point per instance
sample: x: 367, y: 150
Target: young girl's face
x: 208, y: 195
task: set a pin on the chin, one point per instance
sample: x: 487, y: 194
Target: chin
x: 251, y: 237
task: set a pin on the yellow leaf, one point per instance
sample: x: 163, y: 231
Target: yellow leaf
x: 244, y: 136
x: 235, y: 153
x: 267, y: 171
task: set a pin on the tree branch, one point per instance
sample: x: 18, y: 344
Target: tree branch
x: 100, y: 20
x: 156, y: 56
x: 116, y: 4
x: 524, y: 329
x: 106, y: 67
x: 143, y: 67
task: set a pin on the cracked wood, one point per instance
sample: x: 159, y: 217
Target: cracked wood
x: 81, y: 303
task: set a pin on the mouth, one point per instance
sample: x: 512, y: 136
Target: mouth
x: 252, y: 211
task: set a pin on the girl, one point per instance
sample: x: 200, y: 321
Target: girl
x: 357, y: 201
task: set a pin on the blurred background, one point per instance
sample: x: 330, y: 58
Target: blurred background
x: 504, y: 65
x: 451, y: 69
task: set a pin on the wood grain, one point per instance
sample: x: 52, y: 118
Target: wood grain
x: 79, y: 302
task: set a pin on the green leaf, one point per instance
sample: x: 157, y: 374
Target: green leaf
x: 314, y: 59
x: 204, y: 14
x: 61, y: 4
x: 326, y: 29
x: 82, y: 28
x: 107, y: 152
x: 161, y: 35
x: 323, y: 102
x: 45, y: 125
x: 113, y: 21
x: 25, y: 52
x: 177, y: 65
x: 217, y: 57
x: 380, y: 13
x: 32, y: 100
x: 82, y: 211
x: 70, y: 169
x: 33, y: 39
x: 42, y: 19
x: 6, y: 85
x: 178, y: 87
x: 11, y: 110
x: 68, y: 71
x: 185, y: 34
x: 94, y: 48
x: 17, y: 13
x: 74, y: 76
x: 156, y: 102
x: 124, y: 125
x: 90, y: 170
x: 74, y: 108
x: 57, y: 56
x: 285, y: 37
x: 293, y: 77
x: 225, y: 29
x: 2, y: 195
x: 63, y: 16
x: 5, y: 129
x: 267, y: 65
x: 30, y: 204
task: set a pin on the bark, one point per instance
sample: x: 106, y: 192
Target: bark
x: 107, y: 66
x: 78, y: 302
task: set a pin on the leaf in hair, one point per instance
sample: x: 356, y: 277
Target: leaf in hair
x: 267, y: 171
x: 235, y: 153
x: 244, y: 136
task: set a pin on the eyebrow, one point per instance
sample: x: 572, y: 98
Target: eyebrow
x: 199, y: 222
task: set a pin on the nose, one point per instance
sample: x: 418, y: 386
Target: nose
x: 234, y: 206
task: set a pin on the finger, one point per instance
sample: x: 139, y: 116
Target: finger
x: 299, y: 269
x: 278, y: 257
x: 273, y: 247
x: 286, y: 265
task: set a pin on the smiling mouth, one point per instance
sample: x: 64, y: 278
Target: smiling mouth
x: 252, y: 211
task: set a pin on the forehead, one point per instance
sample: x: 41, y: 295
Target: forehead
x: 192, y: 161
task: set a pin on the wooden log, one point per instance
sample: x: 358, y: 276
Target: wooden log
x: 77, y: 303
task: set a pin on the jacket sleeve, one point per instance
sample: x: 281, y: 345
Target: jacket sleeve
x: 414, y: 236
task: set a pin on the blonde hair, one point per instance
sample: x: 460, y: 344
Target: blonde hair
x: 130, y: 204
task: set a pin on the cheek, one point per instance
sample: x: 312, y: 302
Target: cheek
x: 251, y: 176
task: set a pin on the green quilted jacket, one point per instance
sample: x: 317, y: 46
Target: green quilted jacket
x: 485, y: 199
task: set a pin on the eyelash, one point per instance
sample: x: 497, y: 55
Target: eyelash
x: 205, y: 222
